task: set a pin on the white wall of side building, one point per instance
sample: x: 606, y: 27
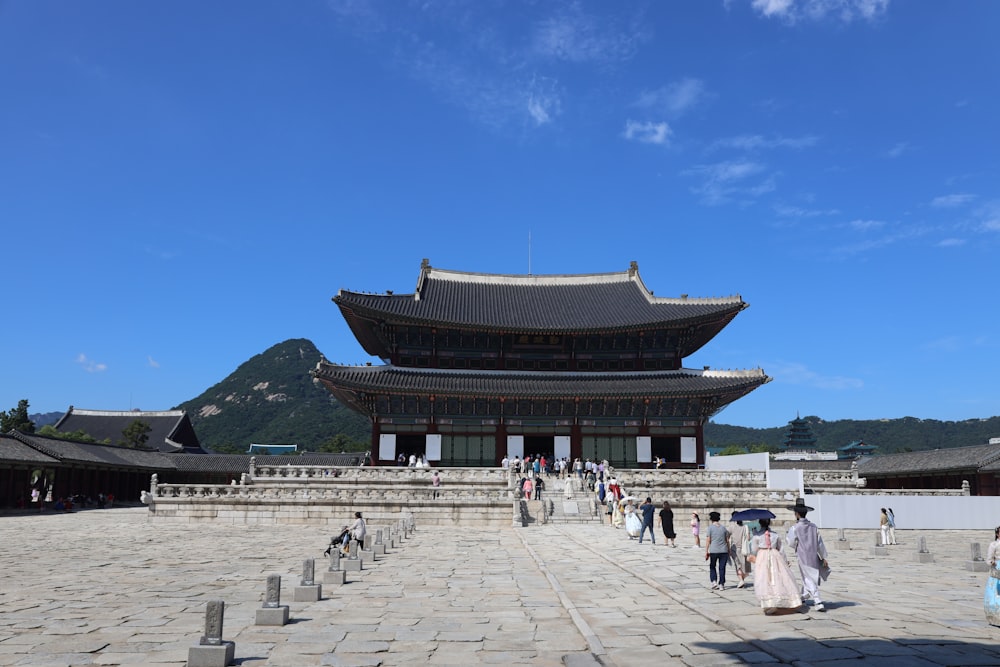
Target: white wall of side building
x: 912, y: 512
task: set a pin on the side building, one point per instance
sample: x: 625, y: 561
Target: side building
x: 479, y: 366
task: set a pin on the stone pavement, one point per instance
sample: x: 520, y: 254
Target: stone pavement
x: 112, y: 588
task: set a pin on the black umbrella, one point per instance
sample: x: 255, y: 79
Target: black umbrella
x: 752, y: 515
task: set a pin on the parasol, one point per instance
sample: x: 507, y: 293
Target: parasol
x: 752, y: 515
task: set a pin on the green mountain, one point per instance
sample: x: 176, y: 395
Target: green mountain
x: 272, y: 399
x: 889, y: 435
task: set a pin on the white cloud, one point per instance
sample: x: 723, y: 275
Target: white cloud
x: 753, y: 142
x: 989, y: 216
x: 543, y: 101
x: 898, y: 150
x: 950, y: 243
x: 153, y: 363
x: 865, y: 225
x: 800, y: 374
x: 89, y: 365
x: 673, y: 99
x: 578, y: 37
x: 791, y: 11
x: 951, y: 201
x: 787, y: 211
x: 648, y: 132
x: 730, y: 180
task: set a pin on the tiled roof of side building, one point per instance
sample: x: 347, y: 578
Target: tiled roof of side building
x: 237, y: 464
x: 70, y: 451
x: 13, y: 450
x: 940, y: 460
x: 170, y: 430
x: 839, y: 464
x: 552, y: 303
x: 538, y: 384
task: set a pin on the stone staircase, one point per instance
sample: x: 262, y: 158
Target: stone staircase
x: 578, y: 508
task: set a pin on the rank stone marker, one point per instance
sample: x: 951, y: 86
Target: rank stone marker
x: 212, y: 650
x: 308, y: 590
x: 273, y: 612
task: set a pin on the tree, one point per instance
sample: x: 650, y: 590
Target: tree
x: 136, y: 434
x: 17, y: 419
x: 341, y: 443
x: 732, y: 450
x: 49, y: 431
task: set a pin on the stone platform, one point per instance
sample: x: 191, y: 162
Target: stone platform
x: 112, y: 588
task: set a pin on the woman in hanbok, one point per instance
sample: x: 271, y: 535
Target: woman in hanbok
x: 773, y: 581
x: 617, y: 519
x: 633, y: 524
x: 991, y: 598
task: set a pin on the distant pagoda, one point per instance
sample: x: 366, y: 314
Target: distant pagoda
x: 479, y: 366
x: 799, y: 437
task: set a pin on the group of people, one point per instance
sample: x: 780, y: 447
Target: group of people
x: 414, y: 461
x: 761, y: 552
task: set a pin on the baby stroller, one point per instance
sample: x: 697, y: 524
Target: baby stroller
x: 339, y: 541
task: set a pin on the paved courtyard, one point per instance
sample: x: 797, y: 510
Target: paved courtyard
x: 112, y: 588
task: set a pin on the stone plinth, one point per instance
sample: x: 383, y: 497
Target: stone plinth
x: 842, y: 545
x: 218, y: 655
x: 350, y: 564
x: 307, y: 593
x: 923, y: 557
x: 378, y: 549
x: 335, y: 577
x: 977, y: 566
x: 878, y: 551
x: 272, y: 615
x: 366, y: 556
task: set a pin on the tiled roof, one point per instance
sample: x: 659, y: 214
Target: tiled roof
x: 839, y: 464
x: 935, y: 460
x: 236, y: 464
x: 14, y: 451
x: 538, y: 384
x: 89, y: 452
x: 591, y: 302
x: 170, y: 430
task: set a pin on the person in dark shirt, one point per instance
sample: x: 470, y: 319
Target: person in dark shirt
x: 647, y: 510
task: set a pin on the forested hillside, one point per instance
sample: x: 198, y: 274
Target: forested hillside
x: 889, y: 435
x: 272, y: 399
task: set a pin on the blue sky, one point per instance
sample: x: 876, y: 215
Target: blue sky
x: 185, y: 184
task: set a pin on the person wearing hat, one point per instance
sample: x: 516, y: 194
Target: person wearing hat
x: 717, y: 551
x: 805, y: 539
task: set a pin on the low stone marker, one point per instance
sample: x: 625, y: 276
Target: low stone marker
x: 212, y: 650
x: 878, y: 549
x: 334, y: 575
x: 273, y: 612
x: 352, y: 563
x: 379, y: 546
x: 308, y: 590
x: 842, y: 544
x: 923, y: 555
x: 977, y: 564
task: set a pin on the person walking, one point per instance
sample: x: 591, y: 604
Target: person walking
x: 647, y: 509
x: 773, y: 581
x: 527, y: 487
x: 804, y: 538
x: 539, y: 487
x: 991, y: 597
x: 737, y: 554
x: 892, y: 525
x: 696, y: 529
x: 436, y: 484
x: 883, y: 524
x: 666, y: 520
x: 717, y: 551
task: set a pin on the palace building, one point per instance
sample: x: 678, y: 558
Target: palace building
x: 479, y: 366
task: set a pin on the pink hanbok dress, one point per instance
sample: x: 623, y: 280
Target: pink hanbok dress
x: 773, y: 581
